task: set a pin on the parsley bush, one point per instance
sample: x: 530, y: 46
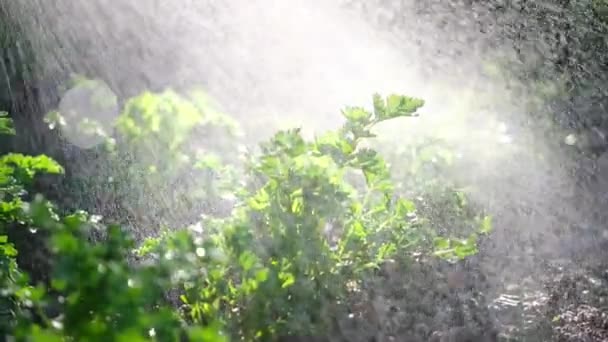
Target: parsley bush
x: 307, y: 223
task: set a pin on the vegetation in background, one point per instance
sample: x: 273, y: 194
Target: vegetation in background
x: 151, y: 168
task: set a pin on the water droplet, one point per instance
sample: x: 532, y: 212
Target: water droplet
x: 570, y: 139
x: 197, y: 228
x: 57, y: 324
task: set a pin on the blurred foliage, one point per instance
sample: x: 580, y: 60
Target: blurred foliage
x: 308, y: 222
x: 17, y: 171
x: 148, y: 170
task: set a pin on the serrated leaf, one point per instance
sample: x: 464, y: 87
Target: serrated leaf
x: 405, y: 207
x: 398, y: 106
x: 357, y: 115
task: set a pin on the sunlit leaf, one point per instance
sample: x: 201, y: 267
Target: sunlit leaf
x: 262, y: 275
x: 442, y: 243
x: 287, y: 279
x: 405, y: 207
x: 247, y: 260
x: 30, y: 164
x: 398, y: 105
x: 357, y: 115
x: 6, y: 124
x: 486, y: 225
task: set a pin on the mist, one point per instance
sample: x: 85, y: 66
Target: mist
x: 297, y: 63
x: 281, y: 64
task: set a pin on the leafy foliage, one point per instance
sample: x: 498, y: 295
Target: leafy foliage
x: 6, y: 125
x: 310, y: 220
x: 425, y: 174
x: 157, y: 160
x: 304, y: 232
x: 16, y: 171
x: 95, y: 295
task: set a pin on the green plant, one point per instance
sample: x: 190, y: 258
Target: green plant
x: 97, y: 296
x: 154, y: 168
x: 312, y: 220
x: 17, y: 172
x: 427, y: 172
x: 94, y: 294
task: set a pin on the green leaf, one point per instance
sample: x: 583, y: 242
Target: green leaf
x: 444, y: 253
x: 397, y: 106
x: 297, y: 204
x: 289, y: 143
x: 247, y: 260
x: 461, y: 199
x: 58, y: 284
x: 386, y: 250
x: 262, y: 275
x: 486, y: 225
x: 442, y: 243
x: 405, y: 207
x: 287, y: 279
x: 336, y: 145
x: 260, y: 200
x: 9, y: 250
x: 357, y: 115
x: 6, y: 124
x: 465, y: 250
x: 31, y: 165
